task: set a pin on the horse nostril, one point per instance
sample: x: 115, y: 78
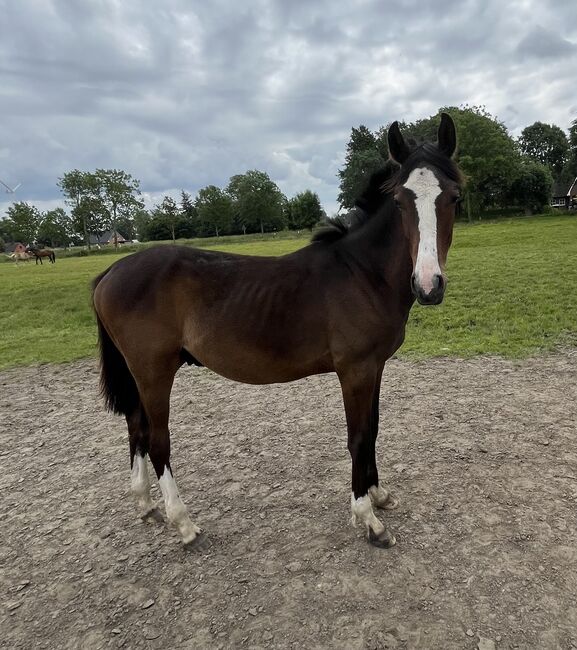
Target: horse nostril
x: 439, y: 283
x: 413, y: 284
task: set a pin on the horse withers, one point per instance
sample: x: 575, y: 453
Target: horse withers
x: 340, y: 305
x: 39, y: 253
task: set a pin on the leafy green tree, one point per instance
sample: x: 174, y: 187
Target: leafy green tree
x: 22, y: 222
x: 531, y: 189
x: 169, y: 212
x: 80, y: 190
x: 487, y: 154
x: 258, y: 202
x: 364, y: 156
x: 141, y: 221
x: 215, y: 209
x: 546, y: 144
x: 55, y: 229
x: 570, y: 170
x: 189, y: 213
x: 88, y: 218
x: 305, y: 211
x: 118, y: 192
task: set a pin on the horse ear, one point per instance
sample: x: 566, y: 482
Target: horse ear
x: 398, y: 148
x: 447, y: 135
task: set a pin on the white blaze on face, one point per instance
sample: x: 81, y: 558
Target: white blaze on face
x: 426, y: 188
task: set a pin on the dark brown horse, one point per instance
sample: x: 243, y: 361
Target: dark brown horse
x: 39, y: 253
x: 338, y: 305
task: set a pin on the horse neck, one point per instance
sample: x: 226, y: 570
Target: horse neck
x: 380, y: 249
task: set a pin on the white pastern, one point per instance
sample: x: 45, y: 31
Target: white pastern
x: 175, y: 508
x: 140, y: 484
x: 426, y: 188
x: 362, y: 511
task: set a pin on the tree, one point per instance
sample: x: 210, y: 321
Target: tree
x: 546, y: 144
x: 141, y: 222
x: 118, y: 193
x: 215, y: 209
x: 22, y: 222
x: 169, y: 212
x: 88, y: 218
x: 364, y: 156
x: 487, y: 154
x: 55, y: 229
x: 305, y: 211
x: 570, y: 171
x: 80, y: 191
x: 531, y: 188
x: 189, y: 215
x: 258, y: 202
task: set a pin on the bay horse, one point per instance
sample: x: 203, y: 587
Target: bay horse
x: 340, y: 305
x: 39, y: 253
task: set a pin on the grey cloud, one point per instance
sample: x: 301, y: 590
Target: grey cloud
x: 183, y: 94
x: 541, y: 43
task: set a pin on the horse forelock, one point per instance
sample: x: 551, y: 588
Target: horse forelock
x: 382, y: 184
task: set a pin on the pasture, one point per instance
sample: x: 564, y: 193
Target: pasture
x: 477, y: 441
x: 508, y: 295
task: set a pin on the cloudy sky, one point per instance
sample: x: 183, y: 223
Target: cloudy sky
x: 184, y: 93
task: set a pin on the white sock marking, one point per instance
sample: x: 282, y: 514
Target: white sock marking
x: 140, y: 483
x: 426, y: 188
x: 362, y: 510
x: 175, y: 508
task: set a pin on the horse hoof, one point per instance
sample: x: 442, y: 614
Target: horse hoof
x: 385, y: 540
x: 198, y: 544
x: 153, y: 516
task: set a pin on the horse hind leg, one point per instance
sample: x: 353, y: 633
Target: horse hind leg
x: 155, y: 396
x: 138, y: 432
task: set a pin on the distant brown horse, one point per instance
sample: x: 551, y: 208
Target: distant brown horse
x: 338, y: 305
x: 39, y: 253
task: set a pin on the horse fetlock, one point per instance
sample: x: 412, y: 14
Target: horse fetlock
x: 188, y: 531
x: 362, y: 513
x: 382, y: 498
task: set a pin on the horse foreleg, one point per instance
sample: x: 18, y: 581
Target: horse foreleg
x: 380, y: 497
x: 359, y: 390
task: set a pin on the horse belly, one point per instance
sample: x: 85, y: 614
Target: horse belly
x: 258, y: 361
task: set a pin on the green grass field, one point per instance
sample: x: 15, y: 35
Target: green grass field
x: 510, y: 294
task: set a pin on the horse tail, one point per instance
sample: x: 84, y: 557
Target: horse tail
x: 117, y: 385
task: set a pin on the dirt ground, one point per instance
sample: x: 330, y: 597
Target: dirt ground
x: 481, y: 453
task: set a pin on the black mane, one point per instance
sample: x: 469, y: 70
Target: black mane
x: 380, y: 186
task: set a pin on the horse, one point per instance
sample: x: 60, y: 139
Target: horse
x: 39, y: 253
x: 340, y: 304
x: 19, y: 256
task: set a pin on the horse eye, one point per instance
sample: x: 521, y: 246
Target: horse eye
x: 455, y: 199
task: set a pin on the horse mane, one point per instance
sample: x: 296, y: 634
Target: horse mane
x: 379, y: 188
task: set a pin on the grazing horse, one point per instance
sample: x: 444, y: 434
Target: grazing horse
x: 340, y: 305
x: 39, y: 253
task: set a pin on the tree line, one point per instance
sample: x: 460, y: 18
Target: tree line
x: 109, y: 200
x: 500, y: 171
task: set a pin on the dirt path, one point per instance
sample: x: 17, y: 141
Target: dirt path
x: 482, y: 453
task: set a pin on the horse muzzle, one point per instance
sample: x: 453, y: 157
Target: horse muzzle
x: 433, y: 295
